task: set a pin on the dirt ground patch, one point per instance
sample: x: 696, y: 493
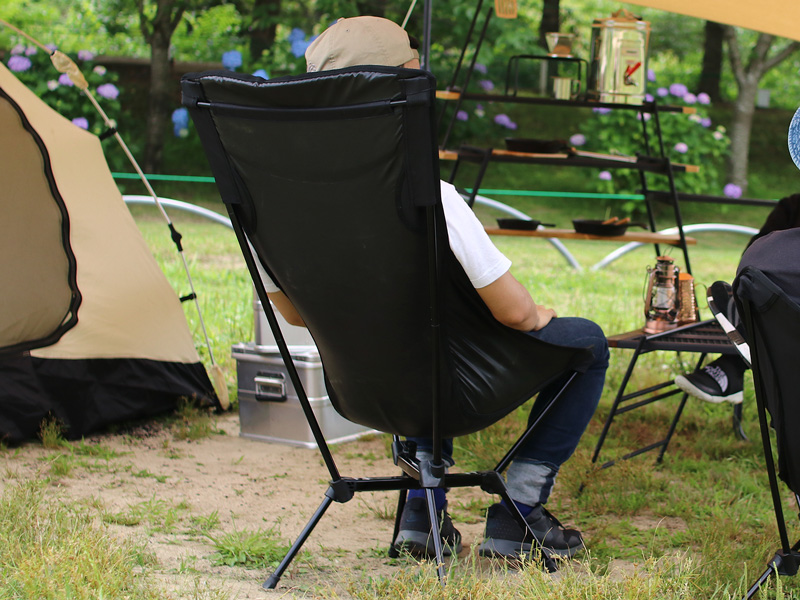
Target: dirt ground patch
x: 248, y: 486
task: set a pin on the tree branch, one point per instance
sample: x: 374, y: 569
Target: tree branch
x: 784, y: 53
x: 734, y: 55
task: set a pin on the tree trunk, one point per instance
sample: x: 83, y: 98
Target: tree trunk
x: 748, y: 77
x: 158, y: 33
x: 263, y: 26
x: 713, y: 52
x: 550, y: 20
x: 373, y: 8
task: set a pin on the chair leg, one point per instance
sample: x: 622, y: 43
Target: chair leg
x: 435, y: 533
x: 273, y: 579
x: 785, y: 564
x: 547, y: 562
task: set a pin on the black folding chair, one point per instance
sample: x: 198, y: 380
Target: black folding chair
x: 331, y: 182
x: 771, y: 323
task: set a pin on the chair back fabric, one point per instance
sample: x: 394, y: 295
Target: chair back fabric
x: 772, y: 329
x: 333, y: 178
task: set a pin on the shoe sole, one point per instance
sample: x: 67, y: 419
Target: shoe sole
x: 515, y: 551
x: 686, y: 385
x: 419, y: 544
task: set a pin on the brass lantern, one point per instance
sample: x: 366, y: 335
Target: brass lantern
x: 662, y: 300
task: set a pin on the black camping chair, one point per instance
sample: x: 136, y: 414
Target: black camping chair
x: 331, y: 181
x: 771, y: 323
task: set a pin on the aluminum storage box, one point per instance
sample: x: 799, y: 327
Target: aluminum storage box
x: 269, y: 409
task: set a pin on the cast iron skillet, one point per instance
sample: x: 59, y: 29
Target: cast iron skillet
x: 596, y: 227
x: 521, y: 224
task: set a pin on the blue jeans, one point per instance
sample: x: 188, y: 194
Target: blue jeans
x: 532, y: 473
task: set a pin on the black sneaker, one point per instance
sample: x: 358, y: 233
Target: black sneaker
x: 414, y: 536
x: 506, y: 539
x: 719, y: 381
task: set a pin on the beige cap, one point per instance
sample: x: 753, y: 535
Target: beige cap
x: 360, y: 41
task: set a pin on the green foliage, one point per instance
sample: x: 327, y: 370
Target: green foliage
x: 259, y: 549
x: 33, y: 67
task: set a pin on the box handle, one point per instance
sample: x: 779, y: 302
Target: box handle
x: 270, y: 387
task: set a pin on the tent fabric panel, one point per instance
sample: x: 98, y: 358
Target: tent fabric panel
x: 776, y: 17
x: 37, y: 269
x: 86, y: 396
x: 129, y: 308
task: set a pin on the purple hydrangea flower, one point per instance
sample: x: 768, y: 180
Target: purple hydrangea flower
x: 703, y: 98
x: 51, y: 47
x: 100, y: 70
x: 645, y: 116
x: 486, y: 85
x: 678, y: 90
x: 85, y: 55
x: 705, y: 122
x: 481, y: 68
x: 689, y: 98
x: 662, y: 92
x: 681, y: 148
x: 19, y: 63
x: 81, y: 122
x: 462, y: 115
x: 604, y: 175
x: 732, y: 190
x: 479, y: 110
x: 648, y: 97
x: 601, y: 110
x: 108, y: 90
x: 18, y: 49
x: 577, y: 139
x: 64, y: 79
x: 651, y: 75
x: 232, y: 59
x: 261, y: 73
x: 505, y: 121
x: 30, y: 50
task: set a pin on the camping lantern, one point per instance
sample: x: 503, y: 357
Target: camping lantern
x: 618, y: 59
x: 661, y: 301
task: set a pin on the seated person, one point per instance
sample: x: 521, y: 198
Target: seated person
x: 376, y: 41
x: 722, y: 380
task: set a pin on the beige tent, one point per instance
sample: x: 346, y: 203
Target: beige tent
x: 776, y: 17
x: 70, y: 248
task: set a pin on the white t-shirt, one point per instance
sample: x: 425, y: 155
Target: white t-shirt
x: 481, y: 260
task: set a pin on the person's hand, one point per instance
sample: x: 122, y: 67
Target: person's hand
x: 545, y: 316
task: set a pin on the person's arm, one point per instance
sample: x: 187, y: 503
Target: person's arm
x: 286, y: 308
x: 512, y: 305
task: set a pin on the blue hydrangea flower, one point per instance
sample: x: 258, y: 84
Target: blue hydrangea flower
x: 19, y: 63
x: 299, y: 47
x: 108, y: 90
x: 604, y: 175
x: 85, y: 55
x: 462, y: 115
x: 261, y: 73
x: 296, y: 34
x: 681, y: 148
x: 732, y: 190
x: 232, y: 59
x: 577, y: 139
x: 81, y: 122
x: 180, y: 122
